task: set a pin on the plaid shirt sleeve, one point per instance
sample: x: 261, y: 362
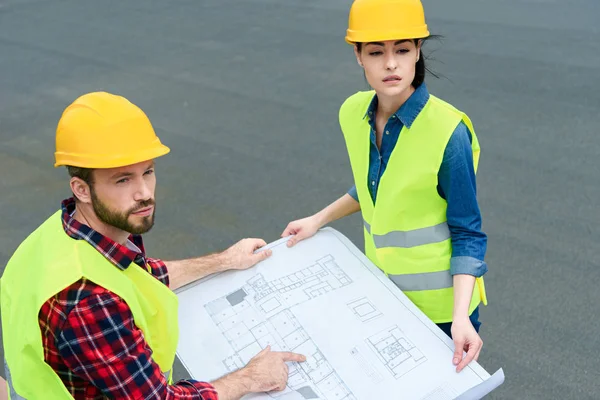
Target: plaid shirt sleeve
x: 100, y: 342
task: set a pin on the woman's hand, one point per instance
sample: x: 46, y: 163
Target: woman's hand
x: 465, y: 339
x: 301, y: 229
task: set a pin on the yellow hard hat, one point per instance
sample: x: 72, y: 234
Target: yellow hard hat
x: 103, y: 130
x: 379, y: 20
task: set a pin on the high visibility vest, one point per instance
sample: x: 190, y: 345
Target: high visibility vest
x: 47, y: 262
x: 406, y: 231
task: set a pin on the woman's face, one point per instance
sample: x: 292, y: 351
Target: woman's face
x: 390, y: 65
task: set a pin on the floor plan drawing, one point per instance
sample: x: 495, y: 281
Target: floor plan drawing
x: 364, y: 309
x: 363, y: 338
x: 395, y: 351
x: 443, y: 392
x: 367, y: 367
x: 260, y: 314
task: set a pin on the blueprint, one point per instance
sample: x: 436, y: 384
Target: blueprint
x: 323, y: 298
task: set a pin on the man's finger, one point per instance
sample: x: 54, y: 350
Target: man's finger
x: 261, y: 255
x: 258, y: 243
x: 467, y: 359
x: 263, y: 351
x: 280, y: 387
x: 289, y: 356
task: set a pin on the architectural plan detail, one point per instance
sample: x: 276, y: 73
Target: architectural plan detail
x: 367, y: 367
x: 260, y: 314
x: 363, y: 338
x: 364, y: 309
x: 395, y: 351
x: 443, y: 392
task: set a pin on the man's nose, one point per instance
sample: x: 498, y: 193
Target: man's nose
x: 143, y: 192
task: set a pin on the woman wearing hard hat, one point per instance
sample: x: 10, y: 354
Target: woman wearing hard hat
x: 413, y: 158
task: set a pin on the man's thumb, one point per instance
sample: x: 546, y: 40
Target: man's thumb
x: 261, y: 255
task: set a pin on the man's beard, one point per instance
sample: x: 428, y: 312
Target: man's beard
x: 120, y: 220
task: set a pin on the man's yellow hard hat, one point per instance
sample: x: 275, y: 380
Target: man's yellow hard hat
x: 379, y: 20
x: 103, y: 130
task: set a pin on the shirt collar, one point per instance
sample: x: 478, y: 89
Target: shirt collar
x: 408, y: 112
x: 121, y: 256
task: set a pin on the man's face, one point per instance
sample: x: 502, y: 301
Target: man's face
x: 124, y: 197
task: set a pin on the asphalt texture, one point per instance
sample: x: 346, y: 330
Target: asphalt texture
x: 246, y: 95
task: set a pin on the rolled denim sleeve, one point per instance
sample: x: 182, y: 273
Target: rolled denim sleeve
x: 458, y: 186
x: 352, y: 192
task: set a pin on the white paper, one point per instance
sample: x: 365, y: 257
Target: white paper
x: 363, y: 338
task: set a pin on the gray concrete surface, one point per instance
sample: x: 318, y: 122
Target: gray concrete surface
x: 246, y: 95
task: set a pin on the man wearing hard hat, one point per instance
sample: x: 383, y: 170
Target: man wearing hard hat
x: 85, y: 313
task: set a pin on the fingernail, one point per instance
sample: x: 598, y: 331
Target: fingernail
x: 455, y: 361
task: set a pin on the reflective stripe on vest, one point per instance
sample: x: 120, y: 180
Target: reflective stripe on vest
x: 416, y: 237
x: 423, y: 281
x: 12, y: 395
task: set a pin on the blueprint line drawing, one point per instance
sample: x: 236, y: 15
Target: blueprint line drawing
x: 260, y: 314
x: 367, y: 367
x: 364, y: 309
x: 442, y: 392
x: 363, y: 337
x: 395, y: 351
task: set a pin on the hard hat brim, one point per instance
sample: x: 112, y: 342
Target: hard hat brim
x: 353, y: 36
x: 110, y: 160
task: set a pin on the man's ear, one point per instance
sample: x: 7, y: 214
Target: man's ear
x: 81, y: 190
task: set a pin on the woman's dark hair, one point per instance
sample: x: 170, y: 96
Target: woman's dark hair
x: 420, y: 68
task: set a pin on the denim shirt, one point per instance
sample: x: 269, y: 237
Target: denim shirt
x: 456, y: 182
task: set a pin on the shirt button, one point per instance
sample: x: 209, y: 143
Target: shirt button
x: 387, y: 132
x: 373, y: 183
x: 393, y: 117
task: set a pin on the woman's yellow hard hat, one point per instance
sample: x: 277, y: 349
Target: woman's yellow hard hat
x: 103, y: 130
x: 379, y: 20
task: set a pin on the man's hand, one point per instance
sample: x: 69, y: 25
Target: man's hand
x: 465, y: 339
x: 268, y: 370
x: 242, y: 254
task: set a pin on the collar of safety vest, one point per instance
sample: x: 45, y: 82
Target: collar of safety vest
x: 408, y: 112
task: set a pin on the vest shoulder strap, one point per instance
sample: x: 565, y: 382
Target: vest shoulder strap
x: 355, y: 106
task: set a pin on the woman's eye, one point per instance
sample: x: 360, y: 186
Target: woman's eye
x: 375, y: 53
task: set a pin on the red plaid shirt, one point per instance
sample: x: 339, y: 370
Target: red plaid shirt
x: 90, y: 338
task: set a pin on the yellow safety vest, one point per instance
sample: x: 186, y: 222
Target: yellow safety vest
x: 44, y: 264
x: 406, y: 231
